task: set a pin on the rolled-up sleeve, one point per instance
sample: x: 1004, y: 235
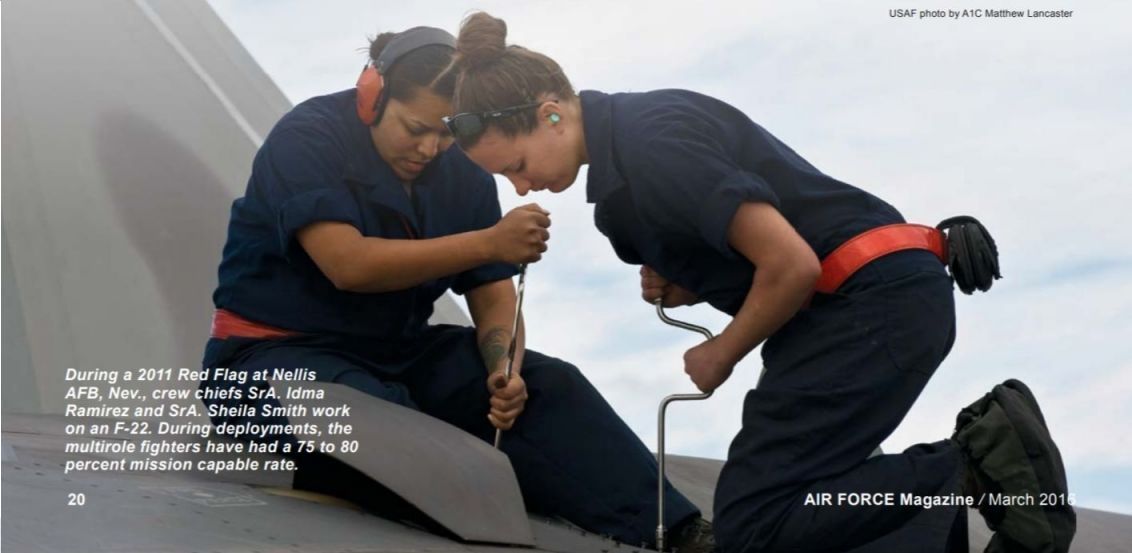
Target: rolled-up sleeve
x: 685, y: 182
x: 298, y: 174
x: 312, y: 207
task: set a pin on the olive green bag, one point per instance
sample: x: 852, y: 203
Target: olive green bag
x: 1012, y: 457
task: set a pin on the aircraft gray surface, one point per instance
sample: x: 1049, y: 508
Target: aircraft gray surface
x: 128, y: 129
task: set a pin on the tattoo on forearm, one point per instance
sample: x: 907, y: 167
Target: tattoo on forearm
x: 493, y: 347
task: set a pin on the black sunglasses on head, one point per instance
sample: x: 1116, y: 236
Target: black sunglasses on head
x: 467, y: 125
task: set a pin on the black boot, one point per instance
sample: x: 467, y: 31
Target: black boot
x: 1015, y: 472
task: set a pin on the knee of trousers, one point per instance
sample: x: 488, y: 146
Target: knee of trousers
x: 554, y: 378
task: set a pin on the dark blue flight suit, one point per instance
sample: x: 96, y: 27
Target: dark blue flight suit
x: 573, y: 456
x: 668, y: 170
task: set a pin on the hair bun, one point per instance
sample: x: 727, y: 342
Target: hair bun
x: 482, y: 40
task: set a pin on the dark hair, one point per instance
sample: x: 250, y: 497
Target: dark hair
x: 421, y: 68
x: 493, y: 76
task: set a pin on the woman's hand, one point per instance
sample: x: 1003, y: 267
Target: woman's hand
x: 709, y: 365
x: 508, y: 398
x: 521, y: 235
x: 654, y: 286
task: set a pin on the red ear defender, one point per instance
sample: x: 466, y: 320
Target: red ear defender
x: 369, y: 86
x: 371, y: 82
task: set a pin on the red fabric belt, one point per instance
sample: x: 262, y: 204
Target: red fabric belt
x: 226, y: 324
x: 871, y: 245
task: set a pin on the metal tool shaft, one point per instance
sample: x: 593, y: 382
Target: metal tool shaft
x: 514, y: 337
x: 660, y: 530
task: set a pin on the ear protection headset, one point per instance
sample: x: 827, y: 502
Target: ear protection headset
x: 371, y: 83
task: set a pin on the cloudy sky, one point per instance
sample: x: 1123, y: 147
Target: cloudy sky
x: 1018, y: 122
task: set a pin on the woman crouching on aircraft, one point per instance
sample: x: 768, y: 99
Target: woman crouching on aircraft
x: 853, y: 307
x: 356, y: 219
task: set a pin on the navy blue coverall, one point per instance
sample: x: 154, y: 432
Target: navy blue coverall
x: 572, y: 455
x: 668, y: 170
